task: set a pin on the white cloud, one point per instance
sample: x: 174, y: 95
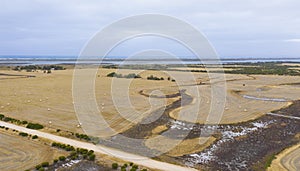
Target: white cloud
x: 224, y: 22
x: 293, y: 40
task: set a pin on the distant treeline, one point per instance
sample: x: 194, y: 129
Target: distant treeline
x: 137, y: 67
x: 151, y: 77
x: 132, y: 75
x: 257, y: 69
x: 265, y: 69
x: 38, y: 67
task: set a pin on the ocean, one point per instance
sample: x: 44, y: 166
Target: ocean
x: 48, y: 60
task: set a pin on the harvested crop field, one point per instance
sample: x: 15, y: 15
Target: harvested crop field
x: 157, y: 104
x: 48, y: 97
x: 182, y: 147
x: 19, y: 153
x: 248, y: 97
x: 288, y: 159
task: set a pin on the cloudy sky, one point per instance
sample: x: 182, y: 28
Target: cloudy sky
x: 236, y: 28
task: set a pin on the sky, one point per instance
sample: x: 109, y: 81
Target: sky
x: 236, y: 28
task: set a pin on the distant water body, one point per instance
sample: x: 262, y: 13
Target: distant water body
x: 39, y: 60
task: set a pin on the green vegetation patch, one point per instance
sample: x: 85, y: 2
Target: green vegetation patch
x: 34, y: 126
x: 131, y: 75
x: 151, y: 77
x: 23, y: 134
x: 30, y: 68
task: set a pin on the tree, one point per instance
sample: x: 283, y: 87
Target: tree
x: 1, y: 116
x: 135, y: 166
x: 62, y: 158
x: 45, y: 164
x: 38, y: 167
x: 23, y: 134
x: 92, y: 157
x: 112, y: 74
x: 34, y: 126
x: 115, y: 165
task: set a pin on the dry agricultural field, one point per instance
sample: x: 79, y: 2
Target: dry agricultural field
x: 47, y: 99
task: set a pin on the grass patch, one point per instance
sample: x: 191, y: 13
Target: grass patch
x: 269, y: 160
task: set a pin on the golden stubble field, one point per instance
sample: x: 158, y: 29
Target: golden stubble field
x: 238, y: 108
x: 20, y: 153
x: 289, y: 159
x: 48, y: 97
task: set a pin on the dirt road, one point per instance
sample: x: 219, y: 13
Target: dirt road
x: 140, y: 160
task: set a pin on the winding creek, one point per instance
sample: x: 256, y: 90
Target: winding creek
x: 243, y: 146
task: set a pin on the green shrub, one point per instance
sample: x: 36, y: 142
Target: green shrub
x: 34, y: 126
x: 54, y: 144
x: 131, y: 75
x: 1, y: 116
x: 73, y: 153
x: 62, y: 158
x: 114, y: 165
x: 92, y: 157
x: 83, y: 151
x: 35, y: 137
x: 112, y: 74
x: 23, y: 134
x: 83, y: 136
x: 45, y: 164
x: 38, y: 167
x: 7, y: 119
x: 55, y: 160
x: 90, y: 152
x: 151, y: 77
